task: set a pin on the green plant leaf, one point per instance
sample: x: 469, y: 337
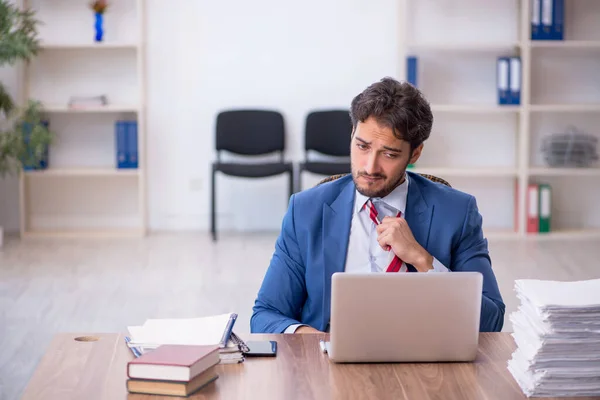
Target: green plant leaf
x: 27, y: 139
x: 18, y: 34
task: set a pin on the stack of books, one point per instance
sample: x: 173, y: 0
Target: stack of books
x: 173, y: 370
x: 557, y: 333
x: 214, y: 330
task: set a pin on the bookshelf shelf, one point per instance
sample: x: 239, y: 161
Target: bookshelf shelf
x: 497, y: 234
x: 84, y: 234
x: 566, y: 44
x: 107, y: 172
x: 82, y: 193
x: 474, y: 109
x: 574, y: 108
x: 545, y: 171
x: 565, y: 234
x: 111, y: 108
x: 475, y: 171
x: 462, y: 47
x: 89, y: 46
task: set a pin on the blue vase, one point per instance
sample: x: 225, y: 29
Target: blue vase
x: 99, y: 27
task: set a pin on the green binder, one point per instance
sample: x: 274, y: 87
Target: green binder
x: 545, y: 207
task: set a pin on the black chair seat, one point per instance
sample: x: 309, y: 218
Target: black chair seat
x: 326, y: 168
x: 247, y: 170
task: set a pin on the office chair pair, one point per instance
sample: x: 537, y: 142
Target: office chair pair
x: 262, y: 133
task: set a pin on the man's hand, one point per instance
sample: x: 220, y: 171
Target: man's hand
x: 307, y: 329
x: 395, y: 233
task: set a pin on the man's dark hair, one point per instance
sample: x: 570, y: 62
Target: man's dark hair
x: 397, y: 105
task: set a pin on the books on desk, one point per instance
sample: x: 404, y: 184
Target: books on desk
x: 557, y: 333
x: 191, y: 331
x: 175, y: 370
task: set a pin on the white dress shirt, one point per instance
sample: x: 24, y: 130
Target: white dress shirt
x: 364, y: 252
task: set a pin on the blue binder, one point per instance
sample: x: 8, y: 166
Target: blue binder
x: 411, y: 70
x: 121, y: 144
x: 547, y: 8
x: 502, y: 80
x: 132, y: 144
x: 536, y: 18
x: 515, y: 79
x: 558, y: 18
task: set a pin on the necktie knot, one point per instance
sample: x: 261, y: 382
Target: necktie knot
x: 396, y: 263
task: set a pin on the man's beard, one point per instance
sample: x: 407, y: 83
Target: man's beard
x: 384, y: 191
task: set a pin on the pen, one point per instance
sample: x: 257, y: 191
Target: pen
x: 228, y: 329
x: 136, y: 352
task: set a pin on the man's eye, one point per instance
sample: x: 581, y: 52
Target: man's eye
x: 361, y: 146
x: 391, y: 155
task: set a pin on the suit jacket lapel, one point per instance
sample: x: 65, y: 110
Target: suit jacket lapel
x: 418, y: 213
x: 337, y: 219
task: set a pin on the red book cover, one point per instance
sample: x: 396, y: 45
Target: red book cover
x: 173, y: 362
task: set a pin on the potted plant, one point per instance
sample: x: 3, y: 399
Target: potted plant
x: 24, y: 136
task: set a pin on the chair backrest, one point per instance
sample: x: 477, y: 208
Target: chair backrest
x: 328, y: 132
x: 250, y: 132
x: 432, y: 178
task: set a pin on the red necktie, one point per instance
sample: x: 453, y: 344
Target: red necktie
x: 396, y: 263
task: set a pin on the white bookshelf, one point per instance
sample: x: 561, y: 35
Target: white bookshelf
x: 82, y: 193
x: 457, y: 73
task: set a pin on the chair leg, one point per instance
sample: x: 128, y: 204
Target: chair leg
x: 291, y: 182
x: 213, y: 215
x: 299, y: 180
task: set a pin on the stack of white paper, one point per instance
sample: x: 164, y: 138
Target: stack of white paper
x: 188, y: 331
x: 557, y: 333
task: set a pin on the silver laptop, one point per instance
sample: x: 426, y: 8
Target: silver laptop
x: 405, y: 317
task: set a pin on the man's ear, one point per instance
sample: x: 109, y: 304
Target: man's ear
x: 416, y: 153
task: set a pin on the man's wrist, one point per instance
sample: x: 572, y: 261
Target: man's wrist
x: 424, y: 262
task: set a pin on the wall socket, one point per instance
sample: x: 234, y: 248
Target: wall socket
x: 196, y: 184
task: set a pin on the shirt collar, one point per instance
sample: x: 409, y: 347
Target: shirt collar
x: 396, y: 199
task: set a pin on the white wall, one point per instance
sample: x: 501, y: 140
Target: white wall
x: 288, y: 56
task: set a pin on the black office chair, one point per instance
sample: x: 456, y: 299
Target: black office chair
x: 249, y: 133
x: 328, y: 133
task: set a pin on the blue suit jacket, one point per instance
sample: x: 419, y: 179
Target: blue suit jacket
x: 313, y: 245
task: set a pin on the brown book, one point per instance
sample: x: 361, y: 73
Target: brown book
x: 172, y: 388
x: 173, y: 363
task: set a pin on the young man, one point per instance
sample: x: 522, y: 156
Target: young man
x: 381, y: 218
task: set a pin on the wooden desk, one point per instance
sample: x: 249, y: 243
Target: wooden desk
x: 89, y: 370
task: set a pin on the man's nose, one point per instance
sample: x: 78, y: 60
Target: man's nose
x: 372, y: 167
